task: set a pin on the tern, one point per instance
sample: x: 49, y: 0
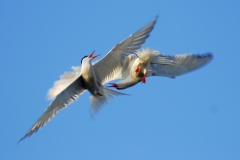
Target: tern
x: 92, y: 76
x: 148, y: 62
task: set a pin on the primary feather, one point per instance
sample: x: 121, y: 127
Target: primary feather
x: 72, y: 84
x: 152, y: 63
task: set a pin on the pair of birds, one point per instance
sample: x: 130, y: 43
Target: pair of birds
x: 124, y: 61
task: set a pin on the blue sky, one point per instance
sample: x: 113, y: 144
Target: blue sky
x: 195, y: 116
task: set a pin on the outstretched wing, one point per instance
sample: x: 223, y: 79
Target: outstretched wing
x: 65, y: 80
x: 61, y: 101
x: 182, y: 63
x: 109, y: 67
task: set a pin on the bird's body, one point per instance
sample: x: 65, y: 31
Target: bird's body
x: 88, y: 77
x: 92, y: 76
x: 151, y: 63
x: 135, y: 68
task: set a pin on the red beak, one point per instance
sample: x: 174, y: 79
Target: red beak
x: 113, y: 85
x: 91, y: 55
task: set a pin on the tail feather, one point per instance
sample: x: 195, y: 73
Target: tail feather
x: 98, y: 101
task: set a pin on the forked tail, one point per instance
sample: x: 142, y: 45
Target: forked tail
x: 98, y: 101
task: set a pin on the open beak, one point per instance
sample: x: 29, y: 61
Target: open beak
x: 91, y: 55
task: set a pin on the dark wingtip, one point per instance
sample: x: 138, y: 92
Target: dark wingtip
x: 25, y: 136
x: 21, y: 139
x: 155, y: 19
x: 207, y: 54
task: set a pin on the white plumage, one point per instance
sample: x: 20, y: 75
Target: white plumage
x: 92, y: 77
x: 151, y: 63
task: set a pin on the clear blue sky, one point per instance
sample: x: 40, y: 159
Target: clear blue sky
x: 195, y: 116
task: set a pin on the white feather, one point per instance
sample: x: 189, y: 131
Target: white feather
x: 92, y: 76
x: 65, y: 80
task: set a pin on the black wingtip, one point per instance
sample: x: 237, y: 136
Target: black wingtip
x: 207, y: 54
x: 20, y: 140
x: 25, y: 136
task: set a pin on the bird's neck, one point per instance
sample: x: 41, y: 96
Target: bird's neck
x: 86, y: 70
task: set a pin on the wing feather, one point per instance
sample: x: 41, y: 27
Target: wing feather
x: 182, y: 63
x: 109, y: 67
x: 65, y: 80
x: 61, y: 101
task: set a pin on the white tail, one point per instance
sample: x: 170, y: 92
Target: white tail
x: 98, y: 101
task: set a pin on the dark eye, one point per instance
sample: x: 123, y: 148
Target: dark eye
x: 83, y: 58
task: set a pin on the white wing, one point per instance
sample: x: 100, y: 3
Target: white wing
x: 60, y: 102
x: 127, y: 65
x: 182, y: 63
x: 65, y: 80
x: 109, y: 67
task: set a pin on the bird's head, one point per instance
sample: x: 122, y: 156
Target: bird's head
x: 89, y: 58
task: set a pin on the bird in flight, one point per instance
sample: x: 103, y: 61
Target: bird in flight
x: 147, y: 62
x: 92, y: 77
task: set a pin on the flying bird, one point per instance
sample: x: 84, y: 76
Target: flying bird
x: 147, y: 62
x: 92, y: 76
